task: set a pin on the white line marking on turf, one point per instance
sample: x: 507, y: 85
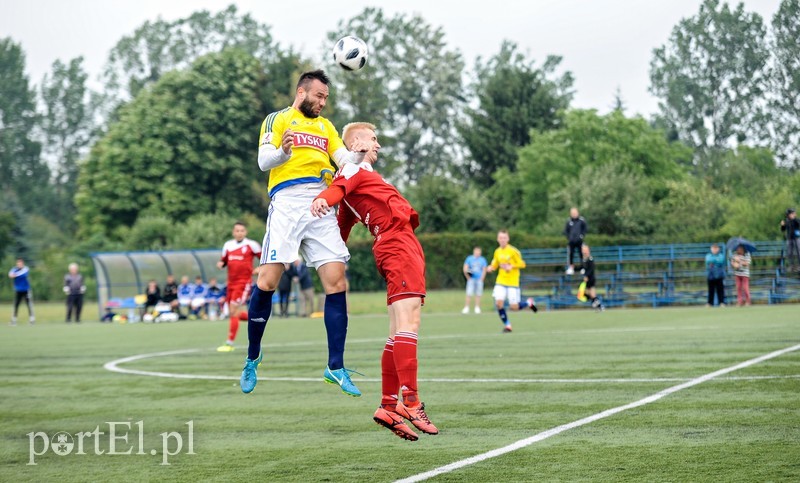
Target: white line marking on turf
x: 590, y: 419
x: 113, y: 366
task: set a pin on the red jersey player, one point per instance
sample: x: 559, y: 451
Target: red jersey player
x: 365, y: 196
x: 238, y: 255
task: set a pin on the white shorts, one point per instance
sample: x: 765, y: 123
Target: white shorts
x: 502, y: 292
x: 474, y: 286
x: 292, y: 229
x: 184, y: 301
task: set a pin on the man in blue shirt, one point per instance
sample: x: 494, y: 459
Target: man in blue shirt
x: 22, y: 287
x: 474, y: 271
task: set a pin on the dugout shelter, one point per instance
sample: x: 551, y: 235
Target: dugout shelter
x: 122, y: 276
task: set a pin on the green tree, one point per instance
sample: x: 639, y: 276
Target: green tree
x: 761, y: 220
x: 410, y: 89
x: 23, y: 174
x: 445, y: 205
x: 183, y: 147
x: 785, y: 99
x: 690, y: 210
x: 553, y: 159
x: 616, y: 199
x: 67, y: 126
x: 712, y: 75
x: 514, y: 96
x: 158, y: 47
x: 744, y: 172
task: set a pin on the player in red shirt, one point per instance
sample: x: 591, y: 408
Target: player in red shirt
x: 365, y: 196
x: 238, y: 255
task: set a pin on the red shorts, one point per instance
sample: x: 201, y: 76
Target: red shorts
x: 401, y: 263
x: 238, y: 293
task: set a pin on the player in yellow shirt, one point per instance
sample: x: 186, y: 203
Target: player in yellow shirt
x: 296, y: 145
x: 507, y: 260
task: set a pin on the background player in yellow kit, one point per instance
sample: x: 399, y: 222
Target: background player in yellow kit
x: 507, y: 261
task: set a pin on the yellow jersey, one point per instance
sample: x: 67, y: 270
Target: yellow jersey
x: 512, y: 256
x: 315, y: 141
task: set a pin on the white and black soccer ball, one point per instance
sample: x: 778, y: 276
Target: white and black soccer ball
x: 350, y: 53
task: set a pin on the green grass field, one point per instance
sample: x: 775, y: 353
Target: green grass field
x: 484, y: 390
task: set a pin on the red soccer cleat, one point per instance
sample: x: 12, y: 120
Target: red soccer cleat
x: 394, y: 423
x: 416, y: 415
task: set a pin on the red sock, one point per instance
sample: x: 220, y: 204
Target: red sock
x: 233, y: 327
x: 389, y: 382
x: 405, y: 359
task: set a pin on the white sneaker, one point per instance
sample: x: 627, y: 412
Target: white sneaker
x: 465, y: 310
x: 32, y: 319
x: 570, y: 271
x: 477, y: 310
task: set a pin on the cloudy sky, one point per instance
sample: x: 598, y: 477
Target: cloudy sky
x: 607, y: 44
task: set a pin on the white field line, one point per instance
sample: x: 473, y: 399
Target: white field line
x: 114, y: 366
x: 590, y: 419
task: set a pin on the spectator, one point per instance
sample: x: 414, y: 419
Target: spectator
x: 22, y: 289
x: 300, y: 273
x: 153, y: 293
x: 185, y: 292
x: 170, y: 294
x: 575, y: 231
x: 475, y: 273
x: 74, y: 290
x: 284, y: 292
x: 791, y: 225
x: 715, y: 267
x: 589, y: 276
x: 198, y: 302
x: 215, y: 298
x: 741, y: 271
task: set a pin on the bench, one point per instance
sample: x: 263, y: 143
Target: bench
x: 653, y: 275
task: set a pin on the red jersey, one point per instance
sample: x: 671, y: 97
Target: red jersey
x: 239, y: 256
x: 366, y: 197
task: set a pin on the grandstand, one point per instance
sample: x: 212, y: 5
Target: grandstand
x: 654, y: 275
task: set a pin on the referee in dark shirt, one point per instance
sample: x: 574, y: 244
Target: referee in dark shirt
x: 589, y: 277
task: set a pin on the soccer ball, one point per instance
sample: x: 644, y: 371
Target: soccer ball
x: 350, y: 53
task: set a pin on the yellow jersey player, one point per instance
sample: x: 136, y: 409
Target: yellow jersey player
x: 507, y: 261
x: 296, y: 146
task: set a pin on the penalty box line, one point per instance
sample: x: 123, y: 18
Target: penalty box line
x: 590, y: 419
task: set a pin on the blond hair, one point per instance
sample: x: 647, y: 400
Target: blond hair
x: 355, y: 126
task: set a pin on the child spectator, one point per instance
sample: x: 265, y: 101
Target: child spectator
x: 741, y: 271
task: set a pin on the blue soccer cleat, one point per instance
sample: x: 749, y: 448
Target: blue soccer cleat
x: 249, y: 376
x: 342, y: 378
